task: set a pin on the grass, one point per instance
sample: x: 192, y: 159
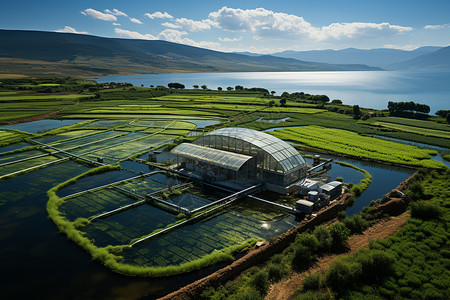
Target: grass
x: 352, y: 144
x: 418, y: 130
x: 363, y: 184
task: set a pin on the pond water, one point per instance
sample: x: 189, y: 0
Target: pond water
x: 275, y: 121
x: 384, y: 179
x: 41, y: 125
x: 441, y: 150
x: 372, y: 89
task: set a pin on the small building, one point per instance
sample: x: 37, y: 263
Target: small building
x: 308, y: 185
x: 332, y: 189
x: 313, y: 196
x: 304, y: 206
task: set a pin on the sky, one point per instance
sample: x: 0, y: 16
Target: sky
x: 254, y: 26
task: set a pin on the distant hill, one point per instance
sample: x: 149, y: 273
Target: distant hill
x: 39, y: 53
x: 437, y: 60
x: 381, y: 57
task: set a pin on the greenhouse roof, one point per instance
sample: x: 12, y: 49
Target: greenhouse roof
x: 224, y: 159
x: 282, y: 152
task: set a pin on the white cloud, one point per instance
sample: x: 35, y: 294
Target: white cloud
x: 159, y: 15
x: 437, y: 26
x: 230, y: 39
x: 70, y: 30
x: 116, y: 24
x: 192, y: 25
x: 169, y: 35
x: 99, y: 15
x: 263, y: 23
x: 405, y: 47
x: 117, y: 12
x: 356, y: 29
x: 134, y: 20
x: 176, y: 36
x: 171, y: 25
x: 133, y: 34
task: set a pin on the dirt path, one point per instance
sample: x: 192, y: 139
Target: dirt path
x: 283, y: 290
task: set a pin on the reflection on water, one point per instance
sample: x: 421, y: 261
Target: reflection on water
x: 366, y: 88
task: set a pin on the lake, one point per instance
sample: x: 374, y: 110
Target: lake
x: 371, y: 89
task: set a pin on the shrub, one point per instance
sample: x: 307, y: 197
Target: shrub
x: 324, y: 238
x: 343, y: 274
x: 339, y: 179
x: 276, y: 272
x: 425, y: 211
x: 340, y: 234
x: 356, y: 224
x: 260, y: 281
x: 312, y: 282
x: 356, y: 190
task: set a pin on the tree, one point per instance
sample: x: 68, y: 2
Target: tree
x: 195, y: 86
x: 283, y: 102
x: 356, y: 111
x: 336, y: 101
x: 448, y: 118
x: 175, y: 85
x: 273, y: 93
x: 285, y: 95
x: 205, y: 87
x: 239, y: 88
x: 230, y: 88
x: 219, y: 88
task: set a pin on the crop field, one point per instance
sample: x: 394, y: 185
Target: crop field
x: 414, y: 123
x: 418, y: 130
x: 351, y: 143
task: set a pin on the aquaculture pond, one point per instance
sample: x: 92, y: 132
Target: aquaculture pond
x: 41, y: 125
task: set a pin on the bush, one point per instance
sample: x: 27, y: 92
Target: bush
x: 340, y: 234
x: 260, y: 281
x: 312, y: 282
x: 356, y: 224
x: 425, y: 211
x: 324, y: 238
x: 276, y: 272
x: 343, y: 274
x: 356, y: 190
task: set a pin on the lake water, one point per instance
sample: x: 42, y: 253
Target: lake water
x: 366, y: 88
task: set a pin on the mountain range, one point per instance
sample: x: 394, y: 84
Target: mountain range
x: 40, y: 53
x: 390, y: 59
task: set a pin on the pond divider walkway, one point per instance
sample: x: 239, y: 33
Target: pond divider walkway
x: 112, y: 184
x: 319, y: 165
x: 67, y: 153
x: 285, y: 208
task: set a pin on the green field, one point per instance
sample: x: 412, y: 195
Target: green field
x: 418, y: 130
x: 350, y: 143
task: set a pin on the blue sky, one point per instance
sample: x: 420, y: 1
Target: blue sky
x: 257, y: 26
